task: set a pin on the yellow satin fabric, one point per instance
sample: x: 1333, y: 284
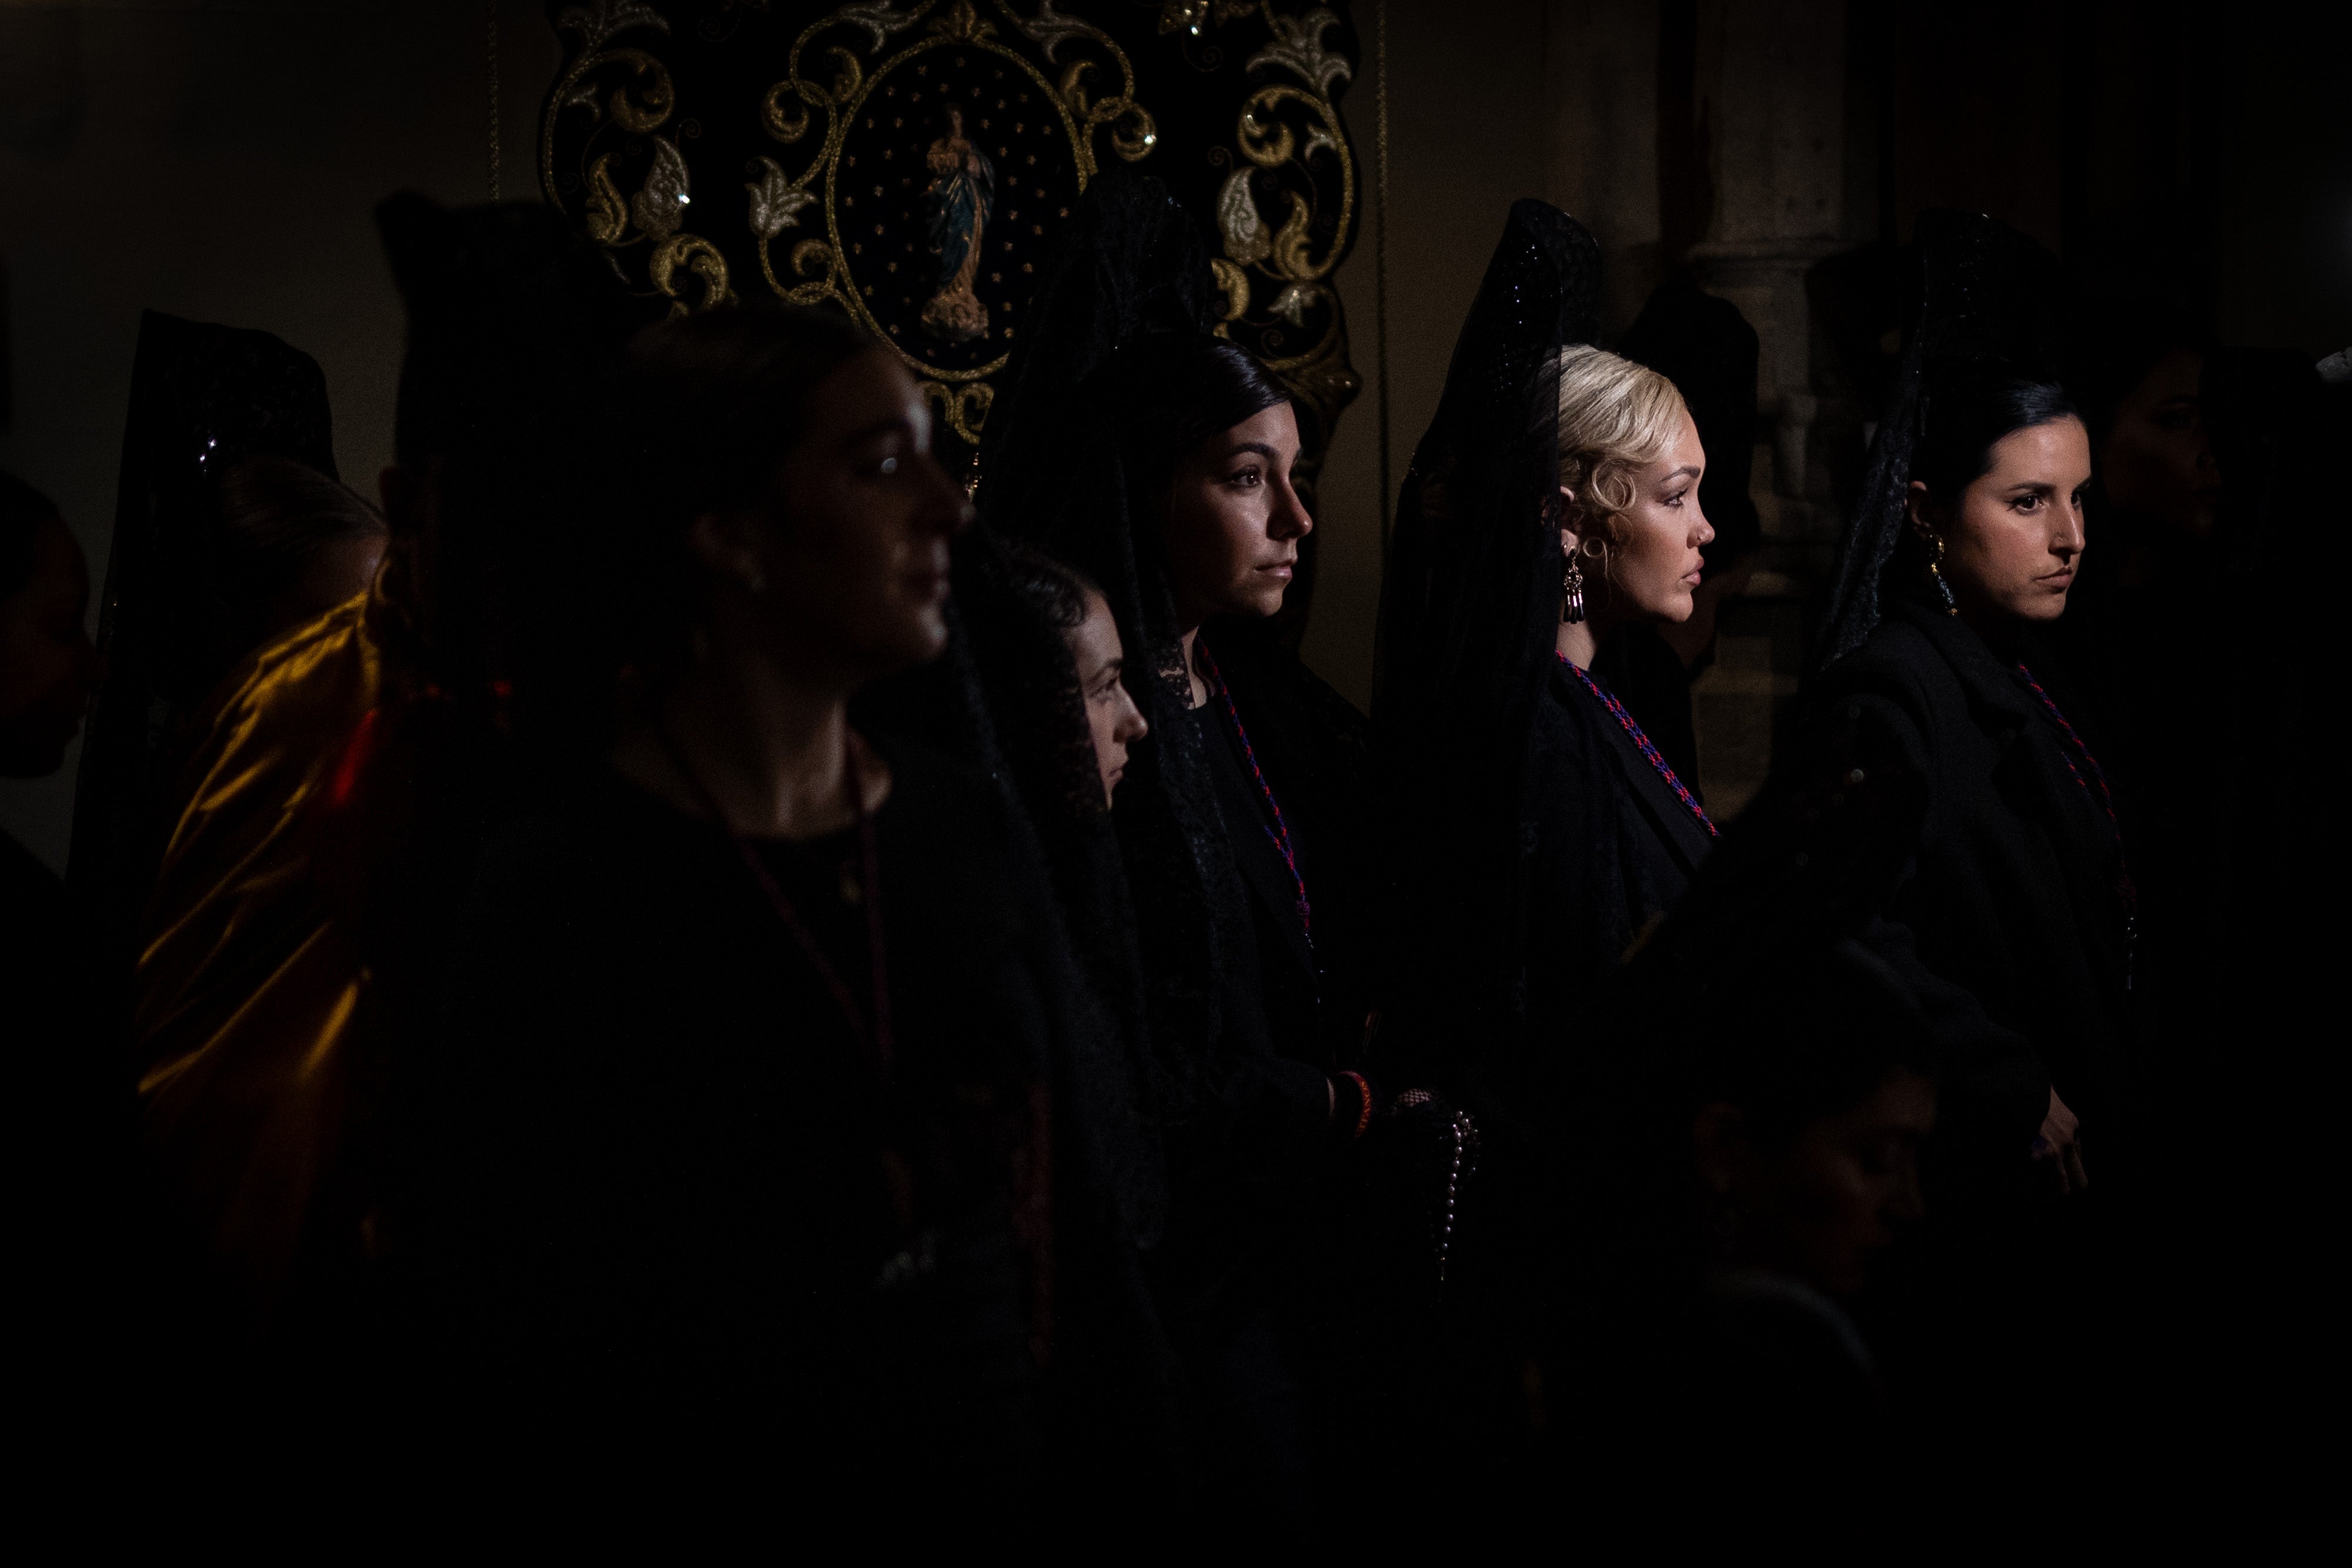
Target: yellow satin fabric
x: 250, y: 976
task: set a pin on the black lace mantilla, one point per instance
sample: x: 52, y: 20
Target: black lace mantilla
x: 1467, y: 628
x: 1987, y: 293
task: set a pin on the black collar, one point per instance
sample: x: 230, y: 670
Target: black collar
x: 1989, y: 683
x: 1670, y: 819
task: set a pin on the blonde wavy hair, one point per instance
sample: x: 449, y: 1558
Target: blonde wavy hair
x: 1616, y: 418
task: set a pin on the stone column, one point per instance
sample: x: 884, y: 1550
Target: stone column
x: 1601, y: 73
x: 1772, y: 89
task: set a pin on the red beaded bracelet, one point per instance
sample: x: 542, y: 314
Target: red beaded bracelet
x: 1364, y: 1092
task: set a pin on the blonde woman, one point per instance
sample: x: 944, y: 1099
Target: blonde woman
x: 1553, y: 503
x: 1630, y: 533
x: 1533, y: 831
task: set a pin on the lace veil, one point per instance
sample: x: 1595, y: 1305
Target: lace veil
x: 1467, y: 630
x: 1987, y: 293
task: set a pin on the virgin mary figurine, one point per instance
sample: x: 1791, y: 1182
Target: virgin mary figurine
x: 962, y: 193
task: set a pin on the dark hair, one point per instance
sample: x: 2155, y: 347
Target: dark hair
x: 2117, y: 351
x: 1971, y: 406
x: 1808, y: 1037
x: 719, y: 396
x: 1787, y: 1022
x: 275, y: 514
x: 712, y: 402
x: 1054, y: 588
x: 23, y: 510
x: 1173, y: 393
x: 509, y: 397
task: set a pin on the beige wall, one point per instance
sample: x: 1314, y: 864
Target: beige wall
x: 221, y: 159
x: 1468, y: 134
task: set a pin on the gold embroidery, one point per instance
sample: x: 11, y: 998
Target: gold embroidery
x: 608, y: 215
x: 872, y: 82
x: 697, y: 255
x: 959, y: 166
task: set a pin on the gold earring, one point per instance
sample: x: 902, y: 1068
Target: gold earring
x: 1571, y: 586
x: 1936, y: 574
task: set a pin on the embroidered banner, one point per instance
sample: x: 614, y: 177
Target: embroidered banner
x: 910, y: 161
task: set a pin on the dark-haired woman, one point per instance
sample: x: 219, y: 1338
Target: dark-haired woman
x: 1160, y: 461
x: 67, y: 1124
x: 47, y: 666
x: 2191, y: 497
x: 1068, y: 601
x: 1747, y: 1126
x: 2205, y: 472
x: 739, y: 1137
x: 1220, y: 509
x: 2021, y: 892
x: 2018, y: 888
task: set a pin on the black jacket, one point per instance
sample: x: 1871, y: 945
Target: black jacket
x: 2015, y: 887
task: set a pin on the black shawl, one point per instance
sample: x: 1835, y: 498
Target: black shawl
x: 1464, y: 688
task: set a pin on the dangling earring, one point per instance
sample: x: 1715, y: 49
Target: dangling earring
x: 1936, y: 574
x: 1571, y: 586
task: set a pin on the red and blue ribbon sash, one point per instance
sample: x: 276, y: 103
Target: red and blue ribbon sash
x: 1643, y: 743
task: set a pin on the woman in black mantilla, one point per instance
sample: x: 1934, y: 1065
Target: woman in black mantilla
x: 736, y: 1130
x: 1553, y: 502
x: 1966, y: 543
x: 1158, y: 459
x: 1534, y: 833
x: 70, y: 1134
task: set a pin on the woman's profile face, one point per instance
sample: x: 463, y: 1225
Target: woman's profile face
x: 1652, y: 567
x: 846, y: 564
x: 1846, y: 1183
x: 2014, y: 541
x: 1836, y: 1195
x: 2157, y: 460
x: 1233, y: 521
x: 47, y: 667
x: 1112, y: 717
